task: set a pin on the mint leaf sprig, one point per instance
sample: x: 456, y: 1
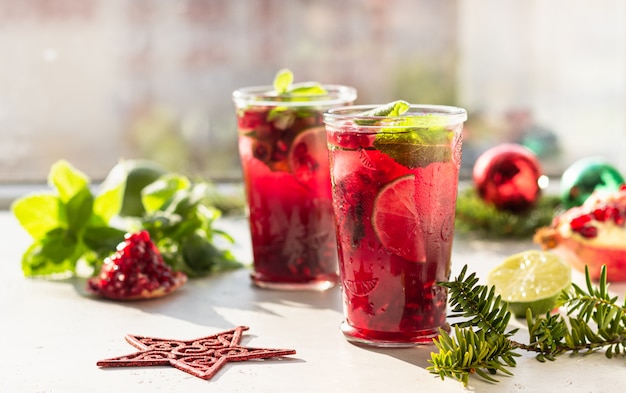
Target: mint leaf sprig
x: 411, y: 140
x: 284, y: 86
x: 392, y: 109
x: 283, y: 117
x: 72, y: 227
x: 180, y: 218
x: 69, y: 225
x: 482, y: 346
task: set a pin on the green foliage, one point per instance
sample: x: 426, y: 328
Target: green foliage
x: 69, y: 225
x: 478, y: 304
x: 72, y: 225
x: 482, y: 346
x: 472, y: 352
x: 283, y: 81
x: 391, y: 109
x: 180, y: 217
x: 475, y: 217
x: 284, y: 86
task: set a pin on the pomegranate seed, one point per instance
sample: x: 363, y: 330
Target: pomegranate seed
x: 588, y: 232
x: 603, y: 214
x: 580, y: 221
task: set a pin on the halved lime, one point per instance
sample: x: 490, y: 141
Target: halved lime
x: 530, y: 279
x: 396, y: 220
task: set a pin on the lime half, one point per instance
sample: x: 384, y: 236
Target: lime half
x: 531, y: 279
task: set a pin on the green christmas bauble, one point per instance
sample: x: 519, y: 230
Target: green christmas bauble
x: 584, y: 177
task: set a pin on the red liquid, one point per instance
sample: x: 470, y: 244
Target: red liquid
x: 393, y: 245
x: 286, y: 175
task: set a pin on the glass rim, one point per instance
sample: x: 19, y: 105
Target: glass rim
x: 446, y: 113
x: 265, y: 96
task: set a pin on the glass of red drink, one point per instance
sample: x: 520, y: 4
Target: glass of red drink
x: 394, y: 184
x: 284, y: 157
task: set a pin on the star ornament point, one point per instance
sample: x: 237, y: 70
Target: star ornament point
x: 202, y: 357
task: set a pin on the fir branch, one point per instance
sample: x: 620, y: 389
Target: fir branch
x: 481, y: 345
x: 471, y: 352
x: 479, y: 303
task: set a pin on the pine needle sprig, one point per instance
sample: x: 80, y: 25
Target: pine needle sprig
x: 481, y: 345
x: 471, y: 352
x: 479, y: 303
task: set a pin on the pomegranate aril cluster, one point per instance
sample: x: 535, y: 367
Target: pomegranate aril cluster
x: 136, y: 270
x: 583, y: 224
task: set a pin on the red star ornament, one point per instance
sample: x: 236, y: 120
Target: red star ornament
x: 202, y: 357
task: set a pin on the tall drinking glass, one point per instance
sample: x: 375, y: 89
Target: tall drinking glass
x: 282, y: 146
x: 394, y: 182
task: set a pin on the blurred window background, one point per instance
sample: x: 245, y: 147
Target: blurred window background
x: 94, y: 81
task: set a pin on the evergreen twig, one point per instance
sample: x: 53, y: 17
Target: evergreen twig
x: 482, y: 346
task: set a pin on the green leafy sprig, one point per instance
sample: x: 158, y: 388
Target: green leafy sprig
x: 283, y: 117
x: 481, y: 344
x: 68, y: 225
x: 180, y: 219
x: 72, y: 226
x: 411, y: 140
x: 284, y: 86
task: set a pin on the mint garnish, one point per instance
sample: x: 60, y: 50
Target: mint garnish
x: 307, y: 89
x: 69, y: 225
x: 283, y: 81
x: 413, y: 141
x: 284, y: 86
x: 392, y: 109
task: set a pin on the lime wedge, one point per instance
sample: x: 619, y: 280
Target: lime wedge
x: 531, y: 279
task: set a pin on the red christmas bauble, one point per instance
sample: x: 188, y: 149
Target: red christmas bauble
x: 507, y: 176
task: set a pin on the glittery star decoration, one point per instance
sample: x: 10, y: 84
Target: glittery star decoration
x: 202, y: 357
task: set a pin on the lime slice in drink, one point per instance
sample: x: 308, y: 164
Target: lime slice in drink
x: 530, y: 279
x: 396, y: 220
x: 308, y: 155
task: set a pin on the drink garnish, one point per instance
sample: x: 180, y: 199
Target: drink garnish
x: 396, y: 220
x: 283, y: 116
x: 283, y: 81
x: 284, y: 86
x: 392, y: 109
x: 413, y: 140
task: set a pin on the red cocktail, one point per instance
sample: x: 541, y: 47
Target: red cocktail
x: 282, y: 146
x: 394, y: 184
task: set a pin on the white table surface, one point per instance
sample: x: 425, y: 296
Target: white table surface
x: 52, y: 336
